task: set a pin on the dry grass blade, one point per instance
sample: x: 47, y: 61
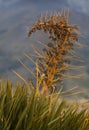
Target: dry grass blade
x: 68, y: 76
x: 28, y: 56
x: 71, y: 89
x: 36, y: 50
x: 27, y: 68
x: 16, y: 73
x: 73, y: 94
x: 73, y: 67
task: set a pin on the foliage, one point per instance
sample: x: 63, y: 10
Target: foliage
x: 39, y: 107
x: 24, y: 108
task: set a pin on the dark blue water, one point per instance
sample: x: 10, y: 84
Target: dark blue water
x: 16, y: 16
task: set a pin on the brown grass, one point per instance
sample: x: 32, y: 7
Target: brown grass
x: 53, y: 64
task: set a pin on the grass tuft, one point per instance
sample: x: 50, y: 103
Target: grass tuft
x: 38, y: 106
x: 22, y: 108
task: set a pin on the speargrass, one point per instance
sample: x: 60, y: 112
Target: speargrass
x: 38, y: 107
x: 25, y: 109
x: 53, y: 63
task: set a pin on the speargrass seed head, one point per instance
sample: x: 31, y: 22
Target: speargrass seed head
x: 56, y: 55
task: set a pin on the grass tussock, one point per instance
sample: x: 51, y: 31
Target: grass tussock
x: 22, y: 108
x: 38, y: 106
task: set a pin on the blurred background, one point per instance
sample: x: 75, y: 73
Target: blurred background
x: 17, y: 16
